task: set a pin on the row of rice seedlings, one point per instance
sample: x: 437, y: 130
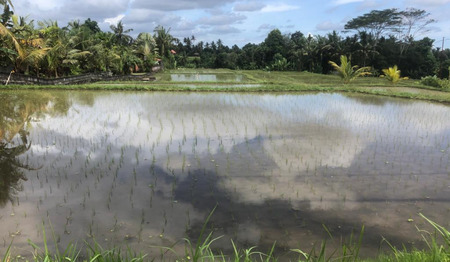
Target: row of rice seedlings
x: 113, y: 157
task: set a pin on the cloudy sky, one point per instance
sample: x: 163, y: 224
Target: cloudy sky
x: 233, y: 21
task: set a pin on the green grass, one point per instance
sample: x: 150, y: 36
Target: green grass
x: 438, y: 250
x: 263, y: 81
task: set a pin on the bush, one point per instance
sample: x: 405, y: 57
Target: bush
x: 430, y: 81
x: 280, y: 63
x: 445, y: 84
x: 434, y: 81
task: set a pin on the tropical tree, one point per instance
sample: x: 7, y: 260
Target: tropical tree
x: 23, y: 52
x: 365, y: 46
x: 376, y: 23
x: 145, y: 46
x: 163, y: 40
x: 274, y: 44
x: 5, y: 18
x: 6, y: 2
x: 348, y: 72
x: 145, y: 49
x: 121, y: 35
x: 414, y: 21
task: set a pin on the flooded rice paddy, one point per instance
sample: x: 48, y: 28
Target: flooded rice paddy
x: 144, y: 170
x: 223, y: 77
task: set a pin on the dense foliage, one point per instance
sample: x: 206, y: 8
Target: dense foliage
x: 380, y: 39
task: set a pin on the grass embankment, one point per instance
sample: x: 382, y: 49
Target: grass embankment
x: 262, y: 81
x: 202, y: 251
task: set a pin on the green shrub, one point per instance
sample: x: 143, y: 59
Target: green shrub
x: 445, y: 84
x: 280, y: 63
x: 430, y: 81
x: 434, y: 81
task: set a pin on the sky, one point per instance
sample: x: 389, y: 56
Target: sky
x: 233, y: 21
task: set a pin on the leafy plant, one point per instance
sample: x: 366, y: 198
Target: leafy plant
x: 436, y: 252
x: 430, y: 81
x: 348, y: 72
x: 434, y: 81
x: 392, y: 74
x: 280, y: 63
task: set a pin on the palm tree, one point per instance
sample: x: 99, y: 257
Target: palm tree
x: 311, y: 51
x: 24, y: 52
x: 163, y: 40
x: 145, y: 45
x: 334, y: 45
x: 366, y: 46
x: 145, y: 49
x: 121, y: 34
x: 64, y: 49
x: 348, y: 72
x: 6, y: 2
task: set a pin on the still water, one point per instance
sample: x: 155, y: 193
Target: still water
x: 206, y: 77
x: 144, y: 170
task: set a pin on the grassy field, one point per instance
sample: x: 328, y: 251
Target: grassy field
x: 263, y: 81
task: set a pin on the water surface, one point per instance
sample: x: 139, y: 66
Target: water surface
x: 196, y: 77
x: 145, y: 169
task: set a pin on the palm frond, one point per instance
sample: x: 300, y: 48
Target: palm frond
x: 392, y: 74
x: 348, y: 72
x: 8, y: 34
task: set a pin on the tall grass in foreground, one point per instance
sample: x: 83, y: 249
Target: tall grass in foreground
x: 202, y: 251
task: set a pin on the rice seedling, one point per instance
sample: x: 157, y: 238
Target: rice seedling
x: 242, y: 150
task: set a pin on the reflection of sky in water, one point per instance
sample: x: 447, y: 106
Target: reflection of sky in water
x: 148, y: 167
x: 205, y: 77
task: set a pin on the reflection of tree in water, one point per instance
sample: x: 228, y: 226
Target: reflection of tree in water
x: 16, y: 111
x: 12, y: 175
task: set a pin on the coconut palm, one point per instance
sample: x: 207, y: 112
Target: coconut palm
x: 145, y: 45
x: 366, y: 46
x: 121, y: 34
x: 23, y: 51
x: 348, y: 72
x: 145, y: 49
x: 65, y: 51
x: 163, y: 40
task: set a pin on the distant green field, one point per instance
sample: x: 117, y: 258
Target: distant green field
x: 224, y: 80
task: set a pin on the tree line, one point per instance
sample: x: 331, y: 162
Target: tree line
x: 379, y: 39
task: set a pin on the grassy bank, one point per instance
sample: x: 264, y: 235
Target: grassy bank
x: 438, y: 243
x: 262, y: 81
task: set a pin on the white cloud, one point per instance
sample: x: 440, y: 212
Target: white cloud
x: 114, y: 20
x: 266, y: 27
x: 222, y: 19
x: 46, y: 4
x: 328, y: 26
x: 344, y: 2
x: 279, y: 8
x: 177, y: 5
x: 427, y: 2
x: 225, y: 29
x: 248, y: 7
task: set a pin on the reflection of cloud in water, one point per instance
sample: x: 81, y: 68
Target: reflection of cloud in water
x: 157, y: 164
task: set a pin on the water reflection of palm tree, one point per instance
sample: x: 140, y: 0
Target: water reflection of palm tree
x: 11, y: 174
